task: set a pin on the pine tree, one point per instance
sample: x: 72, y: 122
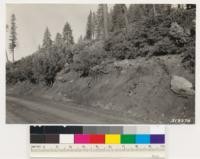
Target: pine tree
x: 13, y: 36
x: 119, y: 17
x: 58, y: 40
x: 67, y: 35
x: 89, y: 30
x: 154, y: 10
x: 94, y: 26
x: 47, y: 42
x: 105, y: 20
x: 7, y: 59
x: 110, y: 25
x: 138, y: 11
x: 100, y: 22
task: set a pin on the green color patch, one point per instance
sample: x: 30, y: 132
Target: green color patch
x: 127, y: 139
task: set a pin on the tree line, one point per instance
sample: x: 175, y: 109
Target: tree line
x: 119, y: 32
x: 102, y: 22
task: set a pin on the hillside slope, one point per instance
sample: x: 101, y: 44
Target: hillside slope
x: 140, y: 88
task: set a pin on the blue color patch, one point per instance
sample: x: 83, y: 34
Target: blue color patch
x: 142, y: 139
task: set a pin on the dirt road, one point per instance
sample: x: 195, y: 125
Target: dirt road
x: 37, y: 110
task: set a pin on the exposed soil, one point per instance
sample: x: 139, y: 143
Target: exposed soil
x: 136, y: 89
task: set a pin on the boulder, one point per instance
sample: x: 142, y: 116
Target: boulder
x: 181, y: 86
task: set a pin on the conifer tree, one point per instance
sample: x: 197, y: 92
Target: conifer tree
x: 47, y: 42
x: 105, y: 20
x: 94, y: 25
x: 67, y: 35
x: 110, y: 25
x: 119, y: 17
x: 58, y: 40
x: 136, y: 12
x: 7, y: 59
x: 89, y: 30
x: 13, y: 36
x: 102, y: 21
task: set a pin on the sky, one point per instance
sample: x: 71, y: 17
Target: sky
x: 32, y: 19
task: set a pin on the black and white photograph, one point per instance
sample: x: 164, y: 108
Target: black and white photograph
x: 100, y: 63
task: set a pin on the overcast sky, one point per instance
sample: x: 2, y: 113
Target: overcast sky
x: 32, y: 19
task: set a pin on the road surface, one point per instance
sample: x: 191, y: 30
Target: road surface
x: 37, y: 110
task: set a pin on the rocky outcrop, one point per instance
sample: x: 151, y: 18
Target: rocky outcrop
x: 181, y: 86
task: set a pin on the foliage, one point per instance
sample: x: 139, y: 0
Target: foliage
x: 134, y: 13
x: 58, y: 40
x: 103, y: 22
x: 67, y: 35
x: 43, y: 65
x: 171, y: 31
x: 119, y: 17
x: 47, y: 42
x: 13, y: 35
x: 151, y: 36
x: 183, y: 17
x: 89, y: 30
x: 99, y: 21
x: 47, y: 63
x: 87, y: 56
x: 20, y: 71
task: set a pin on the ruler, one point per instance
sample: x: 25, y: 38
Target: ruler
x: 98, y: 150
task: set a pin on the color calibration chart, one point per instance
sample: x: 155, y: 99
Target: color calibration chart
x: 134, y: 142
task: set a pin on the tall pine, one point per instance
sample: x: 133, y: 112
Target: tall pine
x: 58, y: 40
x: 102, y: 21
x: 105, y: 20
x: 94, y: 25
x: 67, y: 35
x: 13, y: 36
x: 90, y: 27
x: 135, y: 12
x: 119, y: 17
x: 47, y: 42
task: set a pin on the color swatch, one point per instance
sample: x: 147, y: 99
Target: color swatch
x: 95, y: 135
x: 112, y: 139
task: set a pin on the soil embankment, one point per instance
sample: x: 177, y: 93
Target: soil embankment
x: 134, y: 91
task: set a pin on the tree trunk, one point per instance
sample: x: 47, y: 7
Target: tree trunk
x: 105, y: 20
x: 168, y: 8
x: 154, y: 10
x: 126, y: 18
x: 7, y: 59
x: 13, y: 56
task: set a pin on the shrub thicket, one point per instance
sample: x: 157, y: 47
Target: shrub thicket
x: 87, y: 56
x: 48, y: 62
x: 41, y: 67
x: 20, y: 71
x: 164, y: 34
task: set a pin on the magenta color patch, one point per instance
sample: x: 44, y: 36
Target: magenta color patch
x: 81, y: 139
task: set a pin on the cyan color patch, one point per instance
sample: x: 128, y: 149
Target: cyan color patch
x: 142, y: 139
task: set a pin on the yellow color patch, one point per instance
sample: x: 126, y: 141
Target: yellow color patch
x: 112, y: 139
